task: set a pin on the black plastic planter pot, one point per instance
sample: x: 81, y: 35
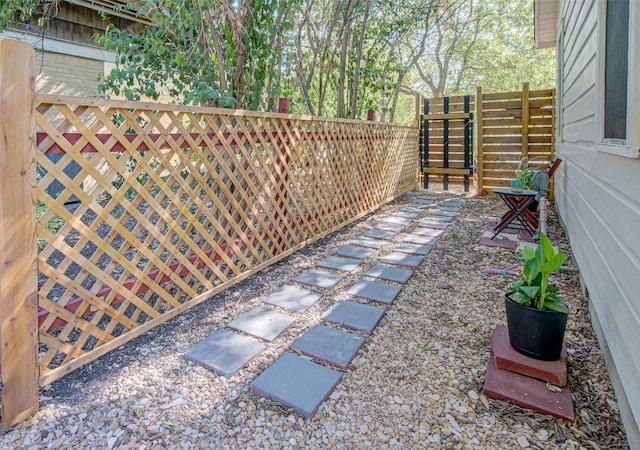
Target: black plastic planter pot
x: 534, y: 333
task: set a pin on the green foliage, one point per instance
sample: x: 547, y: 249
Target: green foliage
x: 524, y: 170
x: 534, y: 289
x: 14, y: 11
x: 197, y: 52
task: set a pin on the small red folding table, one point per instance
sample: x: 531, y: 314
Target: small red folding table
x: 518, y: 203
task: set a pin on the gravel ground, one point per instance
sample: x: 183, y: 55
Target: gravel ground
x: 416, y: 382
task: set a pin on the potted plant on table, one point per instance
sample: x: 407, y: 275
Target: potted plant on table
x: 523, y: 171
x: 536, y: 316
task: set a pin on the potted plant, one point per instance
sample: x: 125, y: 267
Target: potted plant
x: 536, y: 316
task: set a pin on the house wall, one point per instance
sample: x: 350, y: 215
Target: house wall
x: 598, y: 199
x: 67, y: 60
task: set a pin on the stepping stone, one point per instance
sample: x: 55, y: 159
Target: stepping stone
x: 380, y: 234
x: 293, y: 298
x: 433, y: 224
x: 373, y: 290
x: 224, y: 352
x: 390, y: 227
x: 507, y: 358
x: 447, y: 207
x: 390, y: 273
x: 431, y: 232
x: 356, y: 316
x: 368, y: 242
x: 340, y: 263
x: 413, y: 209
x: 512, y: 228
x: 433, y: 216
x: 502, y: 235
x: 497, y: 242
x: 422, y: 240
x: 263, y: 323
x: 402, y: 259
x: 397, y: 220
x: 453, y: 202
x: 407, y: 214
x: 444, y: 213
x: 527, y: 392
x: 354, y: 252
x: 413, y: 249
x: 296, y: 383
x: 319, y: 278
x: 329, y: 345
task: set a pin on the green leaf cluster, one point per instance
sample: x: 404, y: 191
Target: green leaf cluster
x: 534, y: 289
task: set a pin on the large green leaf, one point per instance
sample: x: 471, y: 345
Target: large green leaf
x: 553, y: 303
x: 554, y: 263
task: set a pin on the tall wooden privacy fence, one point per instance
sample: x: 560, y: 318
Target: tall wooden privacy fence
x: 512, y: 126
x: 145, y: 210
x: 509, y: 126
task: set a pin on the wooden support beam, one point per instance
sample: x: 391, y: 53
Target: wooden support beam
x: 18, y: 277
x: 480, y: 137
x: 525, y: 119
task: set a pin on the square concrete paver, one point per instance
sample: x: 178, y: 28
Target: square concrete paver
x: 444, y: 212
x: 418, y: 239
x: 390, y: 226
x: 319, y: 278
x: 413, y: 249
x: 433, y: 216
x: 340, y: 263
x: 224, y: 352
x: 329, y: 345
x: 497, y: 242
x: 527, y: 392
x: 356, y: 316
x: 380, y: 234
x: 296, y: 383
x: 401, y: 259
x: 390, y: 273
x: 364, y: 241
x: 263, y: 323
x: 293, y: 298
x: 413, y: 209
x: 376, y: 291
x: 423, y: 231
x: 397, y: 220
x: 354, y: 252
x: 433, y: 224
x: 407, y: 214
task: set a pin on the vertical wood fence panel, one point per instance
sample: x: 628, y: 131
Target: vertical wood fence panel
x: 446, y: 133
x: 513, y: 125
x: 18, y: 281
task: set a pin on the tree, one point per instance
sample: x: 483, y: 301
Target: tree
x: 488, y: 43
x: 212, y: 52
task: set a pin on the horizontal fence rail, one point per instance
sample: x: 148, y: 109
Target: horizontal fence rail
x: 512, y: 126
x: 145, y: 210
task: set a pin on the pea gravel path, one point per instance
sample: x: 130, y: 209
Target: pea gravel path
x: 415, y: 383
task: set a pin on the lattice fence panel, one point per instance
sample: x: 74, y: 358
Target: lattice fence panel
x: 145, y: 210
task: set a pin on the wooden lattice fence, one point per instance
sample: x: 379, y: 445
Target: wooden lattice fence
x: 168, y: 205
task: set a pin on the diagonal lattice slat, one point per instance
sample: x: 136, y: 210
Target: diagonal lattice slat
x: 146, y: 210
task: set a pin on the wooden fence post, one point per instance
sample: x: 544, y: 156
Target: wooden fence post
x: 525, y: 120
x: 18, y: 276
x: 480, y: 161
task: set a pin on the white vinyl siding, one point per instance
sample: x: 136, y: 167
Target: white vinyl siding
x: 597, y: 192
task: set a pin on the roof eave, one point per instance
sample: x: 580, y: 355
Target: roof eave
x: 545, y: 19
